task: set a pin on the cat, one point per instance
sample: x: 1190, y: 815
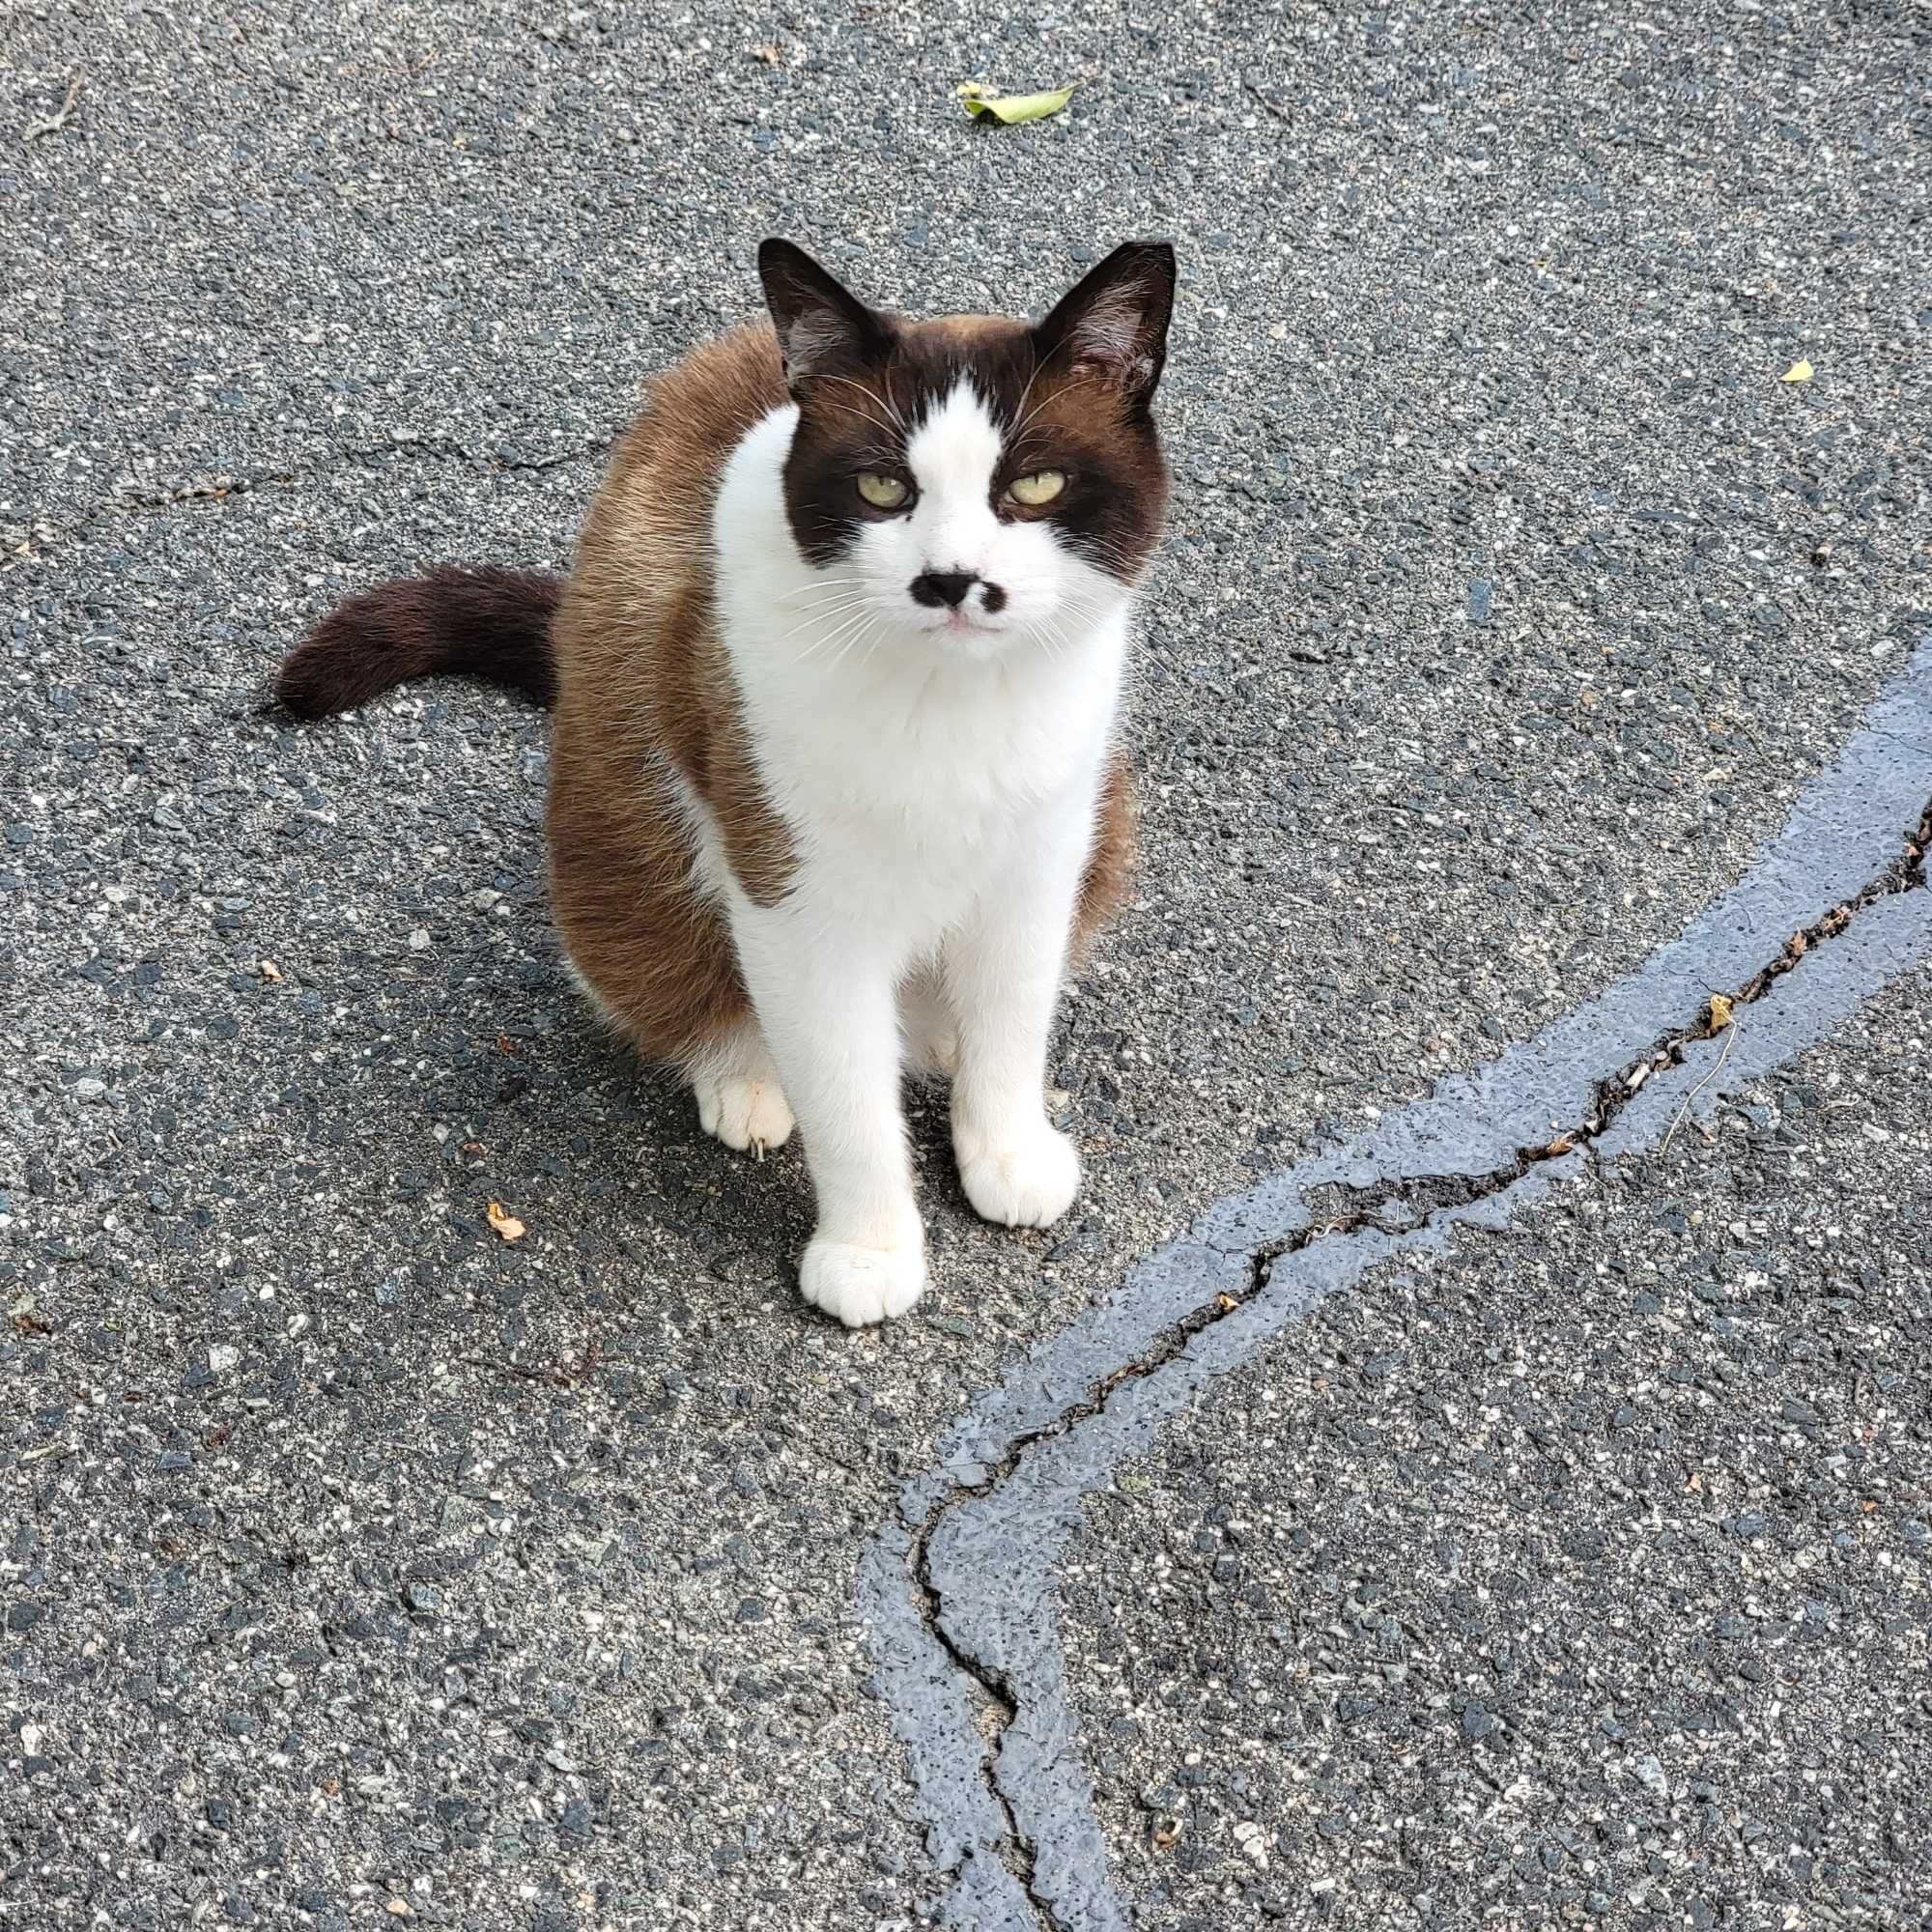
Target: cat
x: 836, y: 782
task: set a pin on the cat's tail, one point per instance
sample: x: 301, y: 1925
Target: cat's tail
x: 491, y: 622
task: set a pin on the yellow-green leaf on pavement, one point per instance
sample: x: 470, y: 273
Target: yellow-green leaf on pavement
x: 983, y: 103
x: 1799, y: 372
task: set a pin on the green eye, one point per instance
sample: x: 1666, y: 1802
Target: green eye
x: 883, y: 493
x: 1041, y: 487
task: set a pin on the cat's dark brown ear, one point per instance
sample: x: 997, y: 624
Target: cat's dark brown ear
x: 1113, y: 322
x: 821, y: 324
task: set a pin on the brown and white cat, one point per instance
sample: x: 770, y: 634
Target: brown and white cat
x: 836, y: 674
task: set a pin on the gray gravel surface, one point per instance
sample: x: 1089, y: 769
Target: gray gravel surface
x: 1579, y: 1577
x: 353, y: 1560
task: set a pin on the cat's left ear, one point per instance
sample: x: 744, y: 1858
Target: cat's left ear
x: 821, y: 323
x: 1113, y: 322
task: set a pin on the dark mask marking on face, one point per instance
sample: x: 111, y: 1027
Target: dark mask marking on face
x: 1072, y: 393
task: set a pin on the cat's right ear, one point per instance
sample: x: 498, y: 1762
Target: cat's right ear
x: 821, y: 324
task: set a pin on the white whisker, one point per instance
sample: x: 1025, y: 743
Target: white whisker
x: 883, y: 402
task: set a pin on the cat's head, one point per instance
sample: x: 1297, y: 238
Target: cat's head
x: 981, y: 482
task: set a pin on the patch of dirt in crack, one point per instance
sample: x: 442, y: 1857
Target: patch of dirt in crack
x: 35, y: 540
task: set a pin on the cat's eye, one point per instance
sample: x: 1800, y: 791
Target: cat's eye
x: 883, y: 493
x: 1041, y: 487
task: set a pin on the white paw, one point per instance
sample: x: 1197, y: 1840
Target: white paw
x: 859, y: 1286
x: 1026, y: 1178
x: 743, y: 1112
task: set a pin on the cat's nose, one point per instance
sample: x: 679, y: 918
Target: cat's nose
x: 936, y: 587
x: 949, y: 589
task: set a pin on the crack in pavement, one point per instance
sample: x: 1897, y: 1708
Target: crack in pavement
x: 956, y: 1592
x: 41, y: 538
x: 1015, y: 1849
x: 1404, y: 1207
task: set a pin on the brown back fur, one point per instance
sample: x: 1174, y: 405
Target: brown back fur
x: 645, y: 687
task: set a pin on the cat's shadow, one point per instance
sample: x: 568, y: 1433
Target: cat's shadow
x: 622, y: 1196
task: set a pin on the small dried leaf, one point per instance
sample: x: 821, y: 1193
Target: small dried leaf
x: 1796, y: 945
x: 1720, y: 1012
x: 1562, y: 1144
x: 1799, y: 372
x: 504, y: 1222
x: 1009, y: 108
x: 505, y: 1044
x: 1228, y: 1303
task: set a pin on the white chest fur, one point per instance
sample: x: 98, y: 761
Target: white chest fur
x: 915, y: 775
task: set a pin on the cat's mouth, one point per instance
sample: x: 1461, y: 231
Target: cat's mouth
x: 962, y: 624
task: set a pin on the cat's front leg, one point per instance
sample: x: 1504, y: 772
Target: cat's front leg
x: 826, y: 999
x: 1003, y: 968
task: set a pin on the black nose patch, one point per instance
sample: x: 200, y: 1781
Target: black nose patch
x: 935, y: 588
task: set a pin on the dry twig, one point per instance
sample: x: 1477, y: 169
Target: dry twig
x: 55, y: 122
x: 1730, y: 1041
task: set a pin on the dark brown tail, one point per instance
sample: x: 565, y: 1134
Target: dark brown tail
x: 490, y: 622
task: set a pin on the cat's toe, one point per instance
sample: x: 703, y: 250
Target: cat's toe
x: 859, y: 1285
x: 1023, y: 1179
x: 745, y: 1113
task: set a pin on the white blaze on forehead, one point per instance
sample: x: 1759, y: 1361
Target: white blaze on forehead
x: 952, y: 456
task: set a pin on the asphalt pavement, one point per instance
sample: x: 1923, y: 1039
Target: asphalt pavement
x: 1579, y: 1577
x: 359, y: 1567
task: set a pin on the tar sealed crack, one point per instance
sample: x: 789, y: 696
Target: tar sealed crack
x: 1016, y: 1852
x: 39, y: 538
x: 1409, y: 1204
x: 1352, y: 1212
